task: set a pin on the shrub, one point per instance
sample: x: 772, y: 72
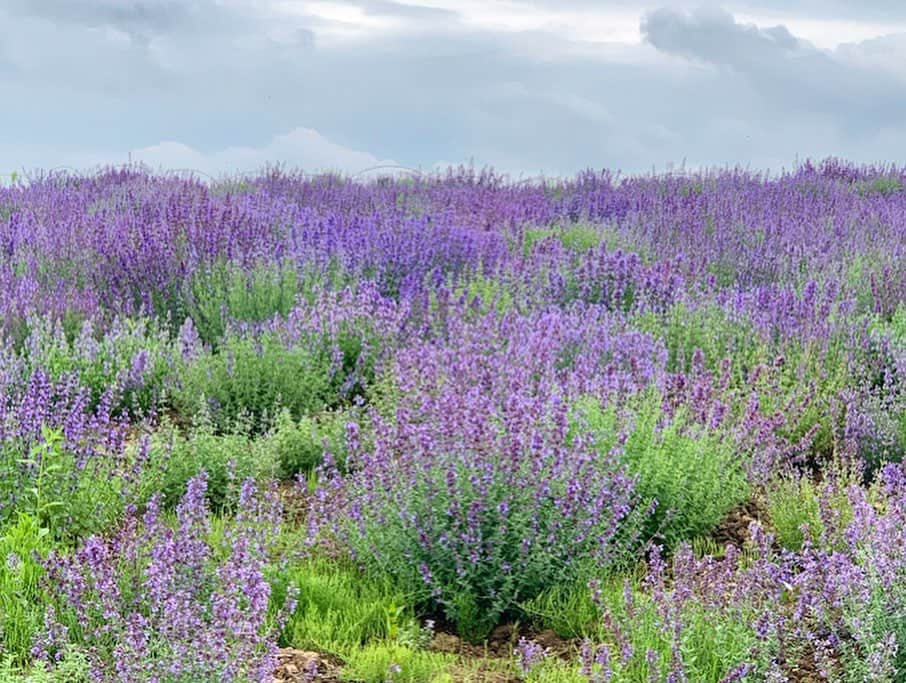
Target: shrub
x: 693, y: 627
x: 319, y: 356
x: 299, y: 445
x: 792, y: 502
x: 154, y: 602
x: 709, y: 330
x: 473, y: 507
x: 223, y: 293
x: 174, y: 458
x: 882, y: 185
x: 132, y: 355
x: 252, y: 378
x: 60, y: 462
x: 691, y: 475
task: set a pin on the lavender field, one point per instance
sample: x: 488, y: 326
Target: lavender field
x: 454, y: 427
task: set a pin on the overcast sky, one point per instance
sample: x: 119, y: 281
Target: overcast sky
x: 528, y: 86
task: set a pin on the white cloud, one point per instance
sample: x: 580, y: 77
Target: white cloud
x: 302, y: 148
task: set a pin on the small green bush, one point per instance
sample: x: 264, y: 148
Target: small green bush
x: 256, y: 372
x: 882, y: 185
x: 580, y: 237
x: 253, y: 378
x: 299, y: 444
x: 134, y: 355
x: 713, y: 640
x: 227, y: 292
x: 794, y: 500
x: 792, y: 503
x: 711, y: 331
x: 228, y: 458
x: 46, y: 483
x: 692, y: 474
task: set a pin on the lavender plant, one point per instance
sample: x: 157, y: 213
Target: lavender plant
x: 156, y: 602
x: 493, y: 382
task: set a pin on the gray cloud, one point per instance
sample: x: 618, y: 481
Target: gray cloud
x: 783, y: 69
x: 712, y: 35
x: 142, y: 20
x: 868, y: 10
x: 224, y: 81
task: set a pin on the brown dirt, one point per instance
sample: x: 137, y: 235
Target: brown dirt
x: 296, y: 666
x: 734, y: 529
x: 501, y: 643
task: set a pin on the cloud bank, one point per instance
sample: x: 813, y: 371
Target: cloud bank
x: 528, y: 86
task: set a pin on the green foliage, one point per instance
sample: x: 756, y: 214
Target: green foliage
x: 882, y: 185
x: 72, y: 668
x: 553, y: 670
x: 494, y: 293
x: 693, y: 474
x: 23, y: 544
x: 576, y: 237
x: 794, y: 499
x: 253, y: 374
x: 792, y: 502
x: 580, y: 237
x: 813, y: 374
x: 134, y: 354
x: 227, y: 292
x: 299, y: 444
x: 533, y: 236
x: 565, y: 608
x: 228, y: 459
x: 714, y: 639
x: 252, y: 378
x: 876, y: 626
x: 67, y: 502
x: 339, y: 609
x: 386, y: 662
x: 710, y: 330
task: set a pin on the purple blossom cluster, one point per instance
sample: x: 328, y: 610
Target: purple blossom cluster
x: 832, y: 610
x: 158, y: 601
x: 533, y: 377
x: 126, y: 242
x: 476, y: 491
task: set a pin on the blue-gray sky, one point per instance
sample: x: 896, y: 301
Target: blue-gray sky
x: 528, y: 86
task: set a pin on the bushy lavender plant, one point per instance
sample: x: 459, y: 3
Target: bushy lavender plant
x: 474, y: 493
x: 156, y: 601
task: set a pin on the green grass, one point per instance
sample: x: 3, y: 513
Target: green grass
x: 340, y: 609
x: 380, y: 662
x: 22, y: 546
